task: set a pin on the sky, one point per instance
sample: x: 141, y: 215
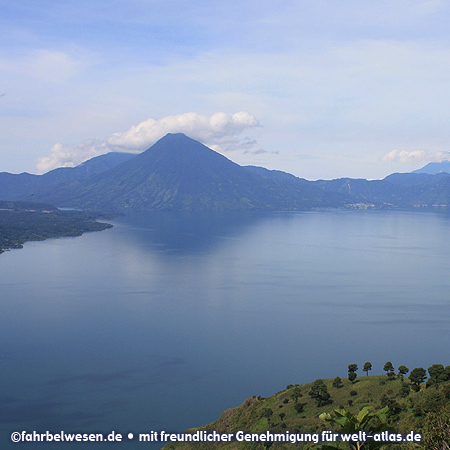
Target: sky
x: 317, y: 88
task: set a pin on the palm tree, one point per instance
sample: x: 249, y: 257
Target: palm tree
x: 349, y: 423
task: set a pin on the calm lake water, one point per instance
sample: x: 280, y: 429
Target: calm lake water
x: 167, y: 319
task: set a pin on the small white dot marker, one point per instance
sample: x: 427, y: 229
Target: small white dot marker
x: 130, y: 436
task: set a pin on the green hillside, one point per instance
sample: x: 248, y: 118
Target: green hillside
x: 293, y: 409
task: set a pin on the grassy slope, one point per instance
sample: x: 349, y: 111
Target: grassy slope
x: 369, y: 392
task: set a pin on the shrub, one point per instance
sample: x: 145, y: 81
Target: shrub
x: 299, y: 407
x: 404, y: 390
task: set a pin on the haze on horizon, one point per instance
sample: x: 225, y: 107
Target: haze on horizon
x: 314, y: 88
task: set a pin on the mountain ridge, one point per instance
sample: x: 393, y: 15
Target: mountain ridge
x: 180, y: 173
x: 25, y: 186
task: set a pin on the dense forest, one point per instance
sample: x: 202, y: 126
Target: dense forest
x: 27, y: 221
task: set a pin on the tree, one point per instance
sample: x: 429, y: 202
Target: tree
x: 389, y: 369
x: 391, y: 376
x: 447, y: 373
x: 367, y: 367
x: 417, y: 376
x: 437, y: 375
x: 337, y: 382
x: 296, y: 394
x: 349, y: 423
x: 319, y: 392
x: 402, y: 371
x: 352, y: 368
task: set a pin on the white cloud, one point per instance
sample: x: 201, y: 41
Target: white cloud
x: 412, y: 157
x: 66, y: 156
x: 213, y: 129
x: 219, y: 131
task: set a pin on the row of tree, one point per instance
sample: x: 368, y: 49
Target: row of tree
x: 437, y: 373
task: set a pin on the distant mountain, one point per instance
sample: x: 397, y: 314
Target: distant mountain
x: 399, y: 190
x: 180, y: 173
x: 412, y: 178
x: 26, y: 186
x: 93, y: 166
x: 277, y: 175
x: 433, y: 168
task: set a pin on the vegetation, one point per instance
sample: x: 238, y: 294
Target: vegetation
x: 389, y: 369
x: 437, y: 430
x: 26, y: 221
x: 344, y: 421
x: 319, y: 392
x: 352, y: 368
x: 367, y: 367
x: 402, y: 371
x: 417, y: 376
x: 438, y: 374
x: 368, y: 404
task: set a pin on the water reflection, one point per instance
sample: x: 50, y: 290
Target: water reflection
x: 185, y: 232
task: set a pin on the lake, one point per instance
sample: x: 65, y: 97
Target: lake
x: 167, y: 319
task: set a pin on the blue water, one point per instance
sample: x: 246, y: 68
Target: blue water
x: 167, y: 319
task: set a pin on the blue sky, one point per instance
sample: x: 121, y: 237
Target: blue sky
x: 321, y: 89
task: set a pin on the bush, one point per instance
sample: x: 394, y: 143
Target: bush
x: 433, y: 402
x: 299, y: 407
x: 353, y: 393
x: 393, y: 405
x: 266, y: 412
x: 296, y: 394
x: 404, y: 390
